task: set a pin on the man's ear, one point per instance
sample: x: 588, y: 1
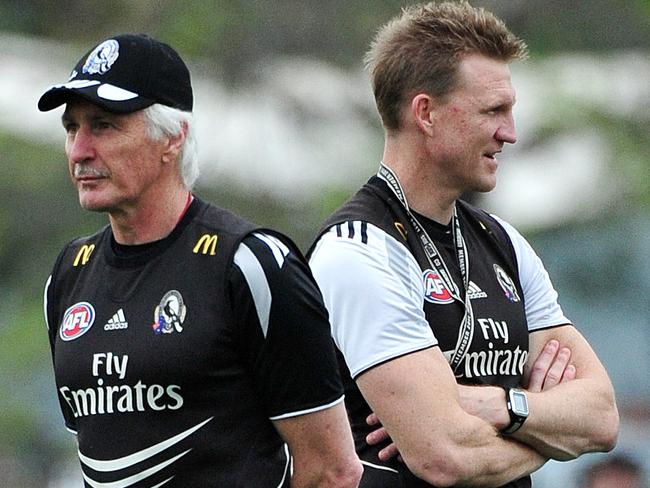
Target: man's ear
x: 175, y: 144
x: 422, y: 107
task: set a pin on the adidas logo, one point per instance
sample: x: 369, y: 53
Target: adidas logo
x: 117, y: 321
x: 474, y: 291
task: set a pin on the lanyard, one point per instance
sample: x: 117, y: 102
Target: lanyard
x: 437, y: 263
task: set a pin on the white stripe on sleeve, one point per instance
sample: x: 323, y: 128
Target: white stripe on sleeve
x: 257, y: 283
x: 374, y: 295
x: 278, y: 248
x: 47, y: 286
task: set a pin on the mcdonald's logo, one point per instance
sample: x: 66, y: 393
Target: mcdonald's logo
x: 400, y: 228
x: 84, y: 254
x: 207, y: 244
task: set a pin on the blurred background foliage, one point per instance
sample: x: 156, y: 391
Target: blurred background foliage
x: 599, y: 262
x: 235, y: 35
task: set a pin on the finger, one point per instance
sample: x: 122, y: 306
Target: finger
x: 542, y: 365
x: 556, y: 371
x: 569, y: 373
x: 388, y: 452
x: 372, y: 419
x: 377, y: 436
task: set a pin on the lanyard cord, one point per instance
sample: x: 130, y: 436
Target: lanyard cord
x: 437, y: 263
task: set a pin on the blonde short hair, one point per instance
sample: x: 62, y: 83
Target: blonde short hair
x: 420, y: 50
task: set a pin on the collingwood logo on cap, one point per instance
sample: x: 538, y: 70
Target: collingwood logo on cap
x: 102, y: 58
x: 111, y: 76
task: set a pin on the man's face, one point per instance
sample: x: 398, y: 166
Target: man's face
x: 472, y: 125
x: 112, y: 161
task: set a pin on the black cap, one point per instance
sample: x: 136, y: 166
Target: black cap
x: 126, y: 73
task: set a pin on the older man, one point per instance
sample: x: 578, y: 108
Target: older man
x: 438, y: 307
x: 190, y: 348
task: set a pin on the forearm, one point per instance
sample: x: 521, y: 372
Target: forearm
x: 564, y: 422
x: 567, y: 418
x: 322, y: 449
x: 478, y: 456
x: 307, y: 477
x: 327, y: 470
x: 472, y: 453
x: 571, y: 419
x: 509, y: 461
x: 415, y: 397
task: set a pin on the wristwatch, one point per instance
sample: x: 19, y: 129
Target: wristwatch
x: 517, y: 403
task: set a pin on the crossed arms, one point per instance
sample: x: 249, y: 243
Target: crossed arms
x: 447, y: 434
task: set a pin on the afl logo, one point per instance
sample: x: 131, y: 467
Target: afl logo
x: 77, y: 320
x: 435, y: 290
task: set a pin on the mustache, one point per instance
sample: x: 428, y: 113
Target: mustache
x: 82, y: 170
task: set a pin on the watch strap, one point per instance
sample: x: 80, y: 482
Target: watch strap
x: 516, y: 420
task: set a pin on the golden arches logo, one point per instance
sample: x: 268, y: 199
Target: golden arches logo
x: 207, y: 244
x: 401, y: 229
x: 83, y: 255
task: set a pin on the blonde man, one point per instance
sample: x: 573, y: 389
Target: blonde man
x: 446, y: 320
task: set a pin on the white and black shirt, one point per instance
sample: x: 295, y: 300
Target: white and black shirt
x: 375, y: 293
x: 386, y: 300
x: 172, y: 359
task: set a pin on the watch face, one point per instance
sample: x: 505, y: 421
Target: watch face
x: 519, y: 403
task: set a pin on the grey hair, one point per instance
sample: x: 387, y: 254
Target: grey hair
x: 167, y: 121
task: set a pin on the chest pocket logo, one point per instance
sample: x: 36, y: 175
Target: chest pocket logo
x: 207, y: 244
x: 435, y: 290
x: 170, y: 313
x: 77, y: 320
x: 83, y: 255
x: 507, y: 285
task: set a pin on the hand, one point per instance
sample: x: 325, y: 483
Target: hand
x: 551, y: 368
x: 380, y: 435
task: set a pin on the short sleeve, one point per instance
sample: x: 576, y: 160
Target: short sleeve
x: 541, y: 300
x: 372, y: 287
x: 283, y: 328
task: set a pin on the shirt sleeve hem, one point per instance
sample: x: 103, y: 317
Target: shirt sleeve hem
x: 552, y: 325
x: 298, y: 413
x: 390, y: 356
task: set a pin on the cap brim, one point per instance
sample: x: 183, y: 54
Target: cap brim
x: 104, y: 95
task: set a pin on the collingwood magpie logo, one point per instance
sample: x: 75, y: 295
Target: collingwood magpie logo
x: 169, y: 314
x: 102, y: 58
x: 117, y: 321
x: 507, y: 285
